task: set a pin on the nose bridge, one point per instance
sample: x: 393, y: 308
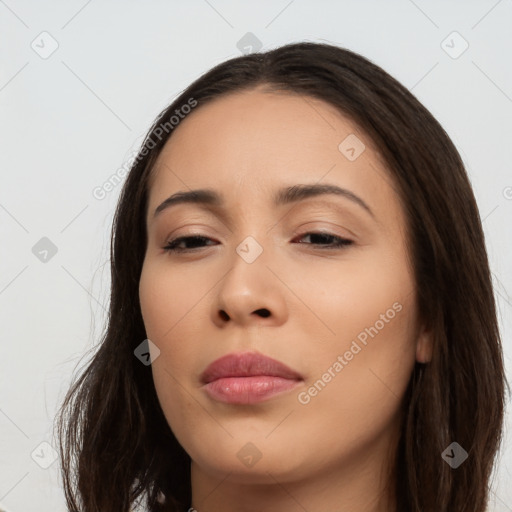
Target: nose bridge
x: 249, y: 272
x: 249, y: 286
x: 252, y: 234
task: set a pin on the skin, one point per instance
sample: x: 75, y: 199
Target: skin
x: 333, y: 452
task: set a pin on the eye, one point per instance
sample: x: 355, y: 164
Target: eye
x: 336, y: 244
x: 198, y: 241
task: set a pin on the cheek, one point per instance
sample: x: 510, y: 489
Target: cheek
x: 168, y: 309
x: 156, y: 295
x: 357, y: 397
x: 170, y: 301
x: 360, y: 370
x: 167, y: 297
x: 340, y: 300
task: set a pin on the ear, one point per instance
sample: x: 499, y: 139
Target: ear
x: 424, y: 345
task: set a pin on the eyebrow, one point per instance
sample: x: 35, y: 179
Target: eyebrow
x: 282, y: 196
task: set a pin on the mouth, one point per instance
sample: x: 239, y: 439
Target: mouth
x: 247, y: 378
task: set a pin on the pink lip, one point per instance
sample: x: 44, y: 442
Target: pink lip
x: 247, y: 378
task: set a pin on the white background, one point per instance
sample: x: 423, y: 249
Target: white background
x: 69, y: 121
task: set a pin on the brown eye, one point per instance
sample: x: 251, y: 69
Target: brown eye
x: 196, y: 242
x: 338, y: 241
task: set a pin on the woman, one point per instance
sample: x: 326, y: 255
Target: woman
x: 302, y: 314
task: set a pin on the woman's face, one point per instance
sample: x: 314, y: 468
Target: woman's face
x: 268, y: 279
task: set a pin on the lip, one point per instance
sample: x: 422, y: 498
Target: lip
x: 248, y: 377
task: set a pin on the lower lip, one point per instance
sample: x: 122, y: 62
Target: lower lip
x: 248, y: 390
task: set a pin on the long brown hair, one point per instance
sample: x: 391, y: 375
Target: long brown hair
x: 116, y: 447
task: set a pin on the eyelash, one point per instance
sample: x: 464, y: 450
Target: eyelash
x: 339, y: 244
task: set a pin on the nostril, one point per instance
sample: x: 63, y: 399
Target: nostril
x: 223, y: 315
x: 263, y: 312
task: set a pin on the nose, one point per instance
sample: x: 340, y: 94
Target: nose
x: 250, y: 293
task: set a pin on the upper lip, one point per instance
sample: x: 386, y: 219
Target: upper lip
x: 247, y: 364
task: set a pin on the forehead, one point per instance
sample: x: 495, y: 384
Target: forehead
x: 255, y: 141
x: 269, y: 124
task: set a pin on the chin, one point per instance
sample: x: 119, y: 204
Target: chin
x: 250, y: 462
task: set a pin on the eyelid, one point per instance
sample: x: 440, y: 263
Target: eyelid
x: 317, y: 225
x: 327, y: 227
x: 338, y: 244
x: 192, y: 229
